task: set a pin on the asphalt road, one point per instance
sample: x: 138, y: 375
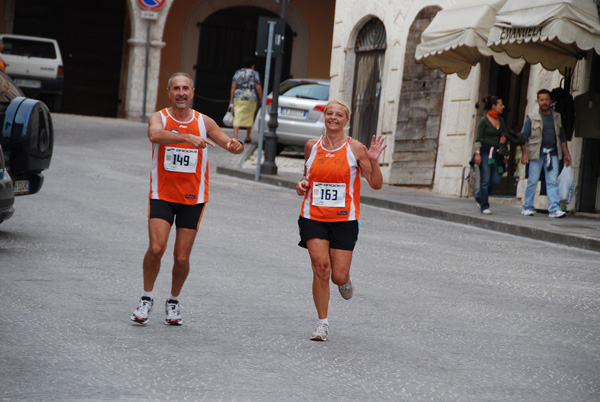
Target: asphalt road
x: 441, y: 311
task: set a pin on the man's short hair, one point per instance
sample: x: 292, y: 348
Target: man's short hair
x: 180, y: 74
x: 543, y: 91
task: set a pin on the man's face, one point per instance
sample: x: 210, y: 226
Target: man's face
x: 181, y: 92
x: 544, y: 102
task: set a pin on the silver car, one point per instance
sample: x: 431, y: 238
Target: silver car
x: 300, y: 117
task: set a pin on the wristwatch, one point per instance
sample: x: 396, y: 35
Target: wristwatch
x: 477, y: 152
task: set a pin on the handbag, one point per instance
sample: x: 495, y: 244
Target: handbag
x: 228, y: 118
x: 565, y: 184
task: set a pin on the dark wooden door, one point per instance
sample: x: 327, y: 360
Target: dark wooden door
x: 366, y: 92
x: 366, y: 96
x: 512, y: 89
x: 90, y: 36
x: 590, y: 155
x: 226, y: 38
x: 590, y: 172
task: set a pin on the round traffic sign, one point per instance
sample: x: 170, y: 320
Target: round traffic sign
x: 151, y: 5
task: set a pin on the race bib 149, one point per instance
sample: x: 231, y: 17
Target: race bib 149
x: 181, y: 160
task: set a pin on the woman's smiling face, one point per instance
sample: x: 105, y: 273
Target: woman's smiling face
x: 336, y: 117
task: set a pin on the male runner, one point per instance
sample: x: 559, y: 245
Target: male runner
x: 178, y: 189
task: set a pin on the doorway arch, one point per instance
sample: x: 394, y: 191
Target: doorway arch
x: 86, y: 75
x: 226, y: 37
x: 366, y: 92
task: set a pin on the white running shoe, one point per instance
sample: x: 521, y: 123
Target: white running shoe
x: 556, y: 214
x: 140, y: 315
x: 173, y: 313
x: 320, y: 333
x: 527, y: 212
x: 347, y: 290
x: 486, y: 211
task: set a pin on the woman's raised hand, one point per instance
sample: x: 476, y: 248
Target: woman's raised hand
x: 377, y: 146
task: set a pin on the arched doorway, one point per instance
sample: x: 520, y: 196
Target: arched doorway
x: 91, y: 47
x: 226, y: 37
x: 419, y: 113
x: 370, y: 55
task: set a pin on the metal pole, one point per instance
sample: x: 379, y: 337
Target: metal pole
x: 263, y: 109
x: 269, y: 167
x: 144, y: 119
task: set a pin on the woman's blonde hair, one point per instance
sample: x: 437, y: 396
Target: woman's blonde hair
x: 341, y: 103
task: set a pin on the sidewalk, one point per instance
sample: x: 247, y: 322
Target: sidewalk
x: 573, y: 230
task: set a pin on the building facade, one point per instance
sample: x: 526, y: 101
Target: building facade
x: 367, y: 48
x: 429, y: 118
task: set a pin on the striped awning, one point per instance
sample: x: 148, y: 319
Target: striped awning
x: 553, y: 33
x: 457, y: 38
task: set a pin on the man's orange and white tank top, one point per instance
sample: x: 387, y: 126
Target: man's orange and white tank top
x: 180, y: 171
x: 334, y: 184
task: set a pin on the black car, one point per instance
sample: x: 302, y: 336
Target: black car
x: 26, y: 142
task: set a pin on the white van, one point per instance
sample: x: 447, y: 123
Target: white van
x: 36, y: 66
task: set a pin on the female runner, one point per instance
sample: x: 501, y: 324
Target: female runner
x: 328, y: 220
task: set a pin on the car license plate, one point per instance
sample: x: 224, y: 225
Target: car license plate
x: 21, y: 187
x: 28, y: 83
x: 292, y: 112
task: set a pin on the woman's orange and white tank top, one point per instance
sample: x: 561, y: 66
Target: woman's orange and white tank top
x: 180, y: 171
x: 334, y: 184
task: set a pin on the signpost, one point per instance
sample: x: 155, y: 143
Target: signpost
x: 149, y: 13
x: 264, y: 35
x: 151, y: 5
x: 264, y: 38
x: 269, y: 167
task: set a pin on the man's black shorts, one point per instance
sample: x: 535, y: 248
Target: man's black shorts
x: 341, y: 235
x: 185, y: 216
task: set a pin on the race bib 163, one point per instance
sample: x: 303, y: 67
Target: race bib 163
x: 329, y: 195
